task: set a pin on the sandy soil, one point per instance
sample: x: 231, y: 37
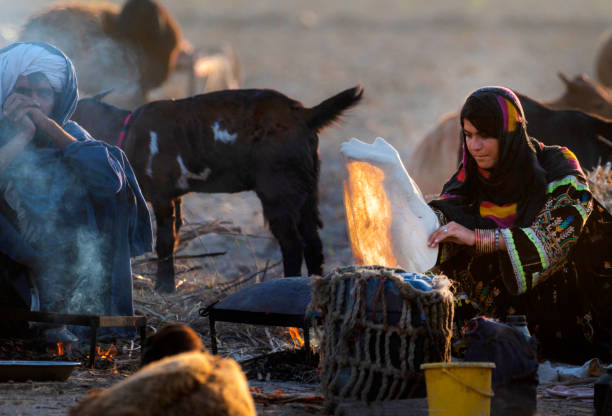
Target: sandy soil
x: 416, y: 59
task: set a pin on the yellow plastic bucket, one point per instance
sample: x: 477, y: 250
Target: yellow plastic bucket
x: 459, y: 389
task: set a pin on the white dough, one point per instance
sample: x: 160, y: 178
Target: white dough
x: 413, y: 221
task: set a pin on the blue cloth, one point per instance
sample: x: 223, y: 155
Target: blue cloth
x: 419, y: 281
x: 80, y: 214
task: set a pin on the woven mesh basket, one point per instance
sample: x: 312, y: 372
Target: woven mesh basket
x: 377, y: 331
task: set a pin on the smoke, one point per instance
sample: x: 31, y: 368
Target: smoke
x: 8, y: 33
x: 55, y: 217
x: 131, y: 50
x: 100, y: 62
x: 90, y: 289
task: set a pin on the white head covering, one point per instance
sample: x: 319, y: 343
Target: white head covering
x: 26, y: 59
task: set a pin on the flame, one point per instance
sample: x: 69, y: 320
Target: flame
x: 60, y: 349
x: 295, y: 337
x: 368, y: 215
x: 105, y: 355
x: 108, y: 354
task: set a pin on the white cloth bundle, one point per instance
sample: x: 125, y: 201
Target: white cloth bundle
x: 412, y: 220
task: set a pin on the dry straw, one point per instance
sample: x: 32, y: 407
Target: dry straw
x: 600, y: 182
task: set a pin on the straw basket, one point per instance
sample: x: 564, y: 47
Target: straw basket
x: 377, y: 332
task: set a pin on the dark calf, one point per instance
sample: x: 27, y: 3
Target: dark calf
x: 587, y: 135
x: 227, y: 141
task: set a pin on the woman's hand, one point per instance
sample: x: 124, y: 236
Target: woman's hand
x: 452, y: 233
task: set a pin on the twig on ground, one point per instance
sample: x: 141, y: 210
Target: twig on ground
x: 197, y: 256
x: 227, y: 286
x: 181, y: 257
x: 282, y: 398
x: 152, y: 312
x: 190, y: 269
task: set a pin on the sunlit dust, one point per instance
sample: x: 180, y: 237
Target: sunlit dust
x: 205, y: 65
x: 295, y: 337
x: 368, y: 215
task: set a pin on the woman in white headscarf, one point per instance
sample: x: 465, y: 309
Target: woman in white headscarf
x: 71, y: 210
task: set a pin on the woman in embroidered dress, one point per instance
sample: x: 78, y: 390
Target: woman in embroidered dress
x: 522, y: 234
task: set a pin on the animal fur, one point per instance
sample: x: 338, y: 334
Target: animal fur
x: 192, y: 383
x: 171, y: 339
x: 603, y: 61
x: 227, y: 141
x: 132, y: 49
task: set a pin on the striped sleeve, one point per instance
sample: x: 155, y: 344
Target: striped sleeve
x: 537, y: 251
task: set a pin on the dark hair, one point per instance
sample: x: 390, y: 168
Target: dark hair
x: 171, y: 339
x: 483, y: 116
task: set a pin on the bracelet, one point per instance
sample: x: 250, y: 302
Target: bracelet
x: 485, y: 241
x: 497, y: 239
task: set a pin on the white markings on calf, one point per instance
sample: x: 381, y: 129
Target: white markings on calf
x: 153, y: 150
x: 186, y: 174
x: 223, y: 135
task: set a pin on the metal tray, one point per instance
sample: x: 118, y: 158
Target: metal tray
x: 36, y: 370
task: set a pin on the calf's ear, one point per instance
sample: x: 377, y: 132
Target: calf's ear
x: 100, y: 96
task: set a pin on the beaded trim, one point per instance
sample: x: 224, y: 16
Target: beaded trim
x: 582, y: 212
x: 535, y: 279
x: 570, y: 179
x: 515, y: 260
x: 538, y: 245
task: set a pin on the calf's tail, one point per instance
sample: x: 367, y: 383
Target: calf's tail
x: 330, y: 110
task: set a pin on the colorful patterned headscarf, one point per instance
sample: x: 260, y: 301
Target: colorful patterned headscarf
x: 512, y: 193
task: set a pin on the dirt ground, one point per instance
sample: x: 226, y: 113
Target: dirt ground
x: 417, y: 61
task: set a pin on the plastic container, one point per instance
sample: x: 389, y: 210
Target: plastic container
x: 459, y: 388
x: 602, y: 400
